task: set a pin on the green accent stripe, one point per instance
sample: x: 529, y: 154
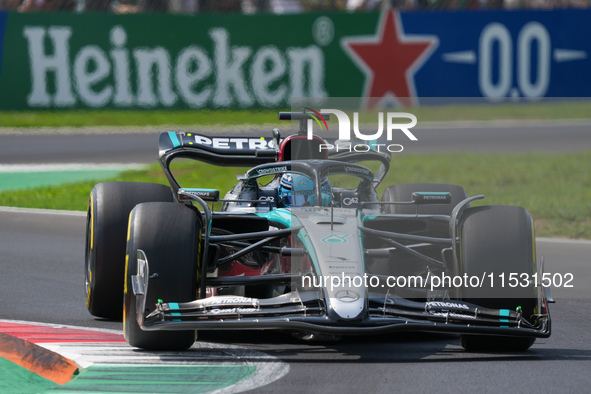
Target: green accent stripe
x: 174, y: 305
x: 504, y: 312
x: 280, y: 216
x: 174, y: 139
x: 156, y: 379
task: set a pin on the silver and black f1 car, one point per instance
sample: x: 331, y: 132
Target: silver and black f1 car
x: 303, y: 243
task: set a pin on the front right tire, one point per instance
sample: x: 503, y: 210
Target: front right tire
x: 169, y: 234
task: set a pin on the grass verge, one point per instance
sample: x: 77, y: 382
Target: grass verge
x: 555, y: 188
x: 86, y: 118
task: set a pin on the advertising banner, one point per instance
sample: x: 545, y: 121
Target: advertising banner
x: 76, y: 61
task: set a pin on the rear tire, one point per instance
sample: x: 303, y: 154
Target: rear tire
x: 495, y: 240
x: 106, y: 232
x: 169, y: 234
x: 404, y: 191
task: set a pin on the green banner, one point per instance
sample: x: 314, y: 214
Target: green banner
x: 169, y: 61
x: 53, y: 60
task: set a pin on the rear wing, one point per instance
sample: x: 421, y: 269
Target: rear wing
x: 243, y: 151
x: 221, y: 151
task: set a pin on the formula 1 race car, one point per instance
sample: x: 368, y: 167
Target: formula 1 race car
x: 303, y: 243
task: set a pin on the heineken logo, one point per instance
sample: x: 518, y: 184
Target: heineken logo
x: 213, y: 72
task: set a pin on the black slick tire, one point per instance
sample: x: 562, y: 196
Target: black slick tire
x: 169, y: 235
x: 106, y: 232
x: 496, y: 240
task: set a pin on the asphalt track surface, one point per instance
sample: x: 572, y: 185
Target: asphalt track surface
x: 140, y: 145
x: 41, y: 279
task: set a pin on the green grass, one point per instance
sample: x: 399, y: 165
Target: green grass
x: 519, y: 111
x: 555, y: 188
x: 71, y: 118
x: 88, y: 118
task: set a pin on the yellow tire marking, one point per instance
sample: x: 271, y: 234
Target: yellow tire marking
x: 126, y: 266
x: 89, y: 290
x: 91, y: 222
x: 535, y: 267
x: 127, y: 255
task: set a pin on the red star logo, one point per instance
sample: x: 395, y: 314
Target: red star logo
x: 389, y: 60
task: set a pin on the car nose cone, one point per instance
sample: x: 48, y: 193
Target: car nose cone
x: 347, y: 296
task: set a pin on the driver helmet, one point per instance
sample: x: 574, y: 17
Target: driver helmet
x: 298, y: 190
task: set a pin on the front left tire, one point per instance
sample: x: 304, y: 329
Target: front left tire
x: 498, y: 240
